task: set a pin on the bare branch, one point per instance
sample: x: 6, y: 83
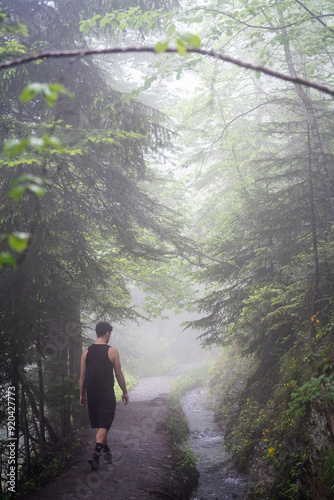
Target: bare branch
x: 123, y: 50
x: 246, y: 23
x: 318, y: 18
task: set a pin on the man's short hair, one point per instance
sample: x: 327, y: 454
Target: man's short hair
x: 102, y: 328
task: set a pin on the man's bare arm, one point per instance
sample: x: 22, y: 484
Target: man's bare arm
x: 114, y: 358
x: 83, y: 401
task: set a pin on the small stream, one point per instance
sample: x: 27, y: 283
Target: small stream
x: 218, y: 478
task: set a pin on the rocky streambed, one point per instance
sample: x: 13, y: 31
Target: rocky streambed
x: 218, y: 478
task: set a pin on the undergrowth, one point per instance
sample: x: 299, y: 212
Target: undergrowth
x: 43, y: 470
x: 277, y: 419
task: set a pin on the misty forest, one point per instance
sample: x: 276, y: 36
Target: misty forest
x: 187, y: 199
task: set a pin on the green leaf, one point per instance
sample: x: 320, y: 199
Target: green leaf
x: 31, y: 90
x: 38, y: 190
x: 51, y: 140
x: 189, y: 39
x: 181, y: 48
x: 16, y: 192
x: 161, y: 47
x: 93, y: 20
x: 51, y: 92
x: 84, y: 27
x: 18, y: 241
x: 28, y: 178
x: 26, y: 182
x: 8, y: 259
x: 15, y: 147
x: 195, y: 41
x: 104, y: 21
x: 171, y: 30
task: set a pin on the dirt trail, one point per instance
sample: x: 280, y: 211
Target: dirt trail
x: 142, y: 459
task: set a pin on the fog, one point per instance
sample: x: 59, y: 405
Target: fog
x: 157, y: 346
x: 124, y: 175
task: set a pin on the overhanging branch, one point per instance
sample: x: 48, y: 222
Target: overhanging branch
x: 123, y: 50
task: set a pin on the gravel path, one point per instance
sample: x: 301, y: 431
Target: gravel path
x: 153, y: 387
x: 142, y: 467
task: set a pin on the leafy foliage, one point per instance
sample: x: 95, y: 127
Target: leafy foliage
x: 79, y: 218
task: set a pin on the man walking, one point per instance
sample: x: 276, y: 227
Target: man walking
x: 104, y: 360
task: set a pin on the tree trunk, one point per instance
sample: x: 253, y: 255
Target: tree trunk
x: 73, y: 330
x: 35, y: 410
x: 314, y: 239
x: 25, y: 428
x: 40, y: 396
x: 317, y: 145
x: 65, y: 407
x: 75, y: 340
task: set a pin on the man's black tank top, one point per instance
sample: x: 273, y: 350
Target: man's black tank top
x: 100, y: 353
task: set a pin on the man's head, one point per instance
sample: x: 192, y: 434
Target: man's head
x: 102, y: 328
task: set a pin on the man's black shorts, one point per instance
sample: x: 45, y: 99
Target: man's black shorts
x: 101, y: 408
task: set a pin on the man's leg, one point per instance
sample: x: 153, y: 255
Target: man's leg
x: 105, y: 409
x: 102, y: 445
x: 101, y: 436
x: 94, y: 419
x: 95, y: 457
